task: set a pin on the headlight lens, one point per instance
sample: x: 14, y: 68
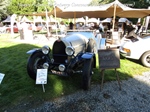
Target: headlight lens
x: 126, y: 50
x: 45, y: 65
x: 61, y: 67
x: 69, y: 50
x: 45, y: 49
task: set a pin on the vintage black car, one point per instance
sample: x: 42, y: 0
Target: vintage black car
x: 74, y: 53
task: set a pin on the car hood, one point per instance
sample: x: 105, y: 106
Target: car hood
x: 135, y: 43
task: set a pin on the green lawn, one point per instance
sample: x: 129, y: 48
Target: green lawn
x: 17, y: 88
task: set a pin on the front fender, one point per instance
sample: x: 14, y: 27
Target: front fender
x: 33, y: 50
x: 87, y: 55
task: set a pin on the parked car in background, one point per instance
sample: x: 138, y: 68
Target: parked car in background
x: 36, y: 29
x: 15, y: 29
x: 136, y: 47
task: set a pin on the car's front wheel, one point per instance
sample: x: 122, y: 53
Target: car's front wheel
x: 87, y: 73
x: 145, y: 59
x: 35, y: 62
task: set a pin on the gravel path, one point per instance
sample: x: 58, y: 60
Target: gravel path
x: 134, y: 97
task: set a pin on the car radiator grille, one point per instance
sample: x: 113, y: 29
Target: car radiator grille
x: 59, y: 54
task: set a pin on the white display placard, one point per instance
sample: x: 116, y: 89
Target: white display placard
x: 115, y: 35
x: 1, y: 77
x: 41, y: 76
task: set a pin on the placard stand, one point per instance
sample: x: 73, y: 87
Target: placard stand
x: 117, y: 77
x: 43, y: 88
x: 109, y: 59
x: 41, y: 77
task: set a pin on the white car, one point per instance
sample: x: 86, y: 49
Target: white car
x: 136, y: 47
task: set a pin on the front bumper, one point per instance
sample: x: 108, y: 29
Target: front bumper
x: 123, y: 53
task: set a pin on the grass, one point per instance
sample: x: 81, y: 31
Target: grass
x: 17, y: 88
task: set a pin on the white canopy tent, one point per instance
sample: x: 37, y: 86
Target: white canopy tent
x: 82, y: 20
x: 93, y: 20
x: 39, y: 19
x: 123, y: 20
x: 110, y: 10
x: 8, y: 19
x: 103, y: 11
x: 107, y: 20
x: 25, y: 19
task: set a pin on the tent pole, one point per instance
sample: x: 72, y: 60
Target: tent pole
x: 74, y: 20
x: 13, y: 17
x: 115, y: 5
x: 48, y: 32
x: 55, y: 20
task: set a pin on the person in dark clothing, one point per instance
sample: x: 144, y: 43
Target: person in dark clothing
x: 138, y: 27
x: 130, y: 28
x: 70, y: 25
x: 109, y: 26
x: 124, y: 28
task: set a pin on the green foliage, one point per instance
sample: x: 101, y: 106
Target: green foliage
x: 94, y: 3
x: 3, y: 8
x: 131, y: 3
x: 20, y: 6
x: 137, y: 3
x: 29, y: 6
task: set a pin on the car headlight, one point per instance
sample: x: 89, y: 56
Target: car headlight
x: 45, y: 49
x: 61, y: 67
x: 45, y: 65
x: 69, y: 50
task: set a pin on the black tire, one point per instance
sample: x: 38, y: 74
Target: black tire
x: 145, y: 59
x: 87, y: 73
x: 35, y: 62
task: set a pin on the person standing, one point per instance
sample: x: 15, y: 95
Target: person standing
x: 1, y: 24
x: 20, y: 30
x: 138, y: 27
x: 101, y: 27
x: 71, y: 26
x: 77, y: 25
x: 125, y: 27
x: 62, y: 28
x: 129, y: 28
x: 25, y: 27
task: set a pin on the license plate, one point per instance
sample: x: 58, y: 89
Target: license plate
x: 57, y: 72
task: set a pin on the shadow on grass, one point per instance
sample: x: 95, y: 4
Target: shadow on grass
x: 18, y: 89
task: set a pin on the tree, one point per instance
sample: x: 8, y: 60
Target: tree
x: 3, y: 9
x: 94, y: 3
x: 29, y: 6
x: 130, y: 3
x: 20, y: 7
x: 40, y: 5
x: 136, y: 3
